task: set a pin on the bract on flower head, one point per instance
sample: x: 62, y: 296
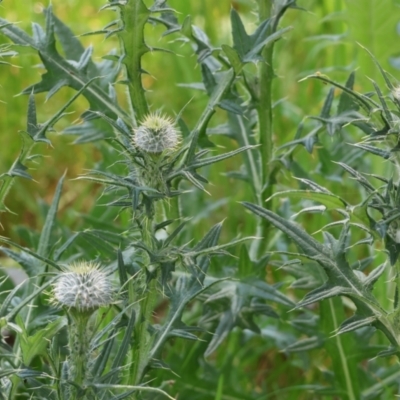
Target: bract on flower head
x: 83, y: 286
x: 156, y: 134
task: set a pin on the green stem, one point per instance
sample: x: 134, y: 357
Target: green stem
x: 134, y: 15
x: 143, y: 339
x: 79, y: 347
x: 342, y: 355
x: 264, y: 107
x: 265, y: 120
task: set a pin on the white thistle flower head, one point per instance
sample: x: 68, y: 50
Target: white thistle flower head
x: 84, y: 287
x: 156, y: 134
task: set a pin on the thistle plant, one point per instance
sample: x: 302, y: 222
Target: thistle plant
x: 372, y: 221
x: 81, y: 290
x: 153, y: 164
x: 157, y: 307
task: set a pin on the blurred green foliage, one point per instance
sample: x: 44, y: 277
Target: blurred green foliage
x: 324, y: 39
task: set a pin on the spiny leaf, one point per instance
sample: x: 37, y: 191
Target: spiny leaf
x: 249, y: 47
x: 329, y: 200
x: 364, y: 101
x: 342, y: 279
x: 59, y: 69
x: 45, y: 236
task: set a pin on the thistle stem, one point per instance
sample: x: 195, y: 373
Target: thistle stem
x: 79, y: 347
x: 143, y: 340
x: 264, y: 108
x: 265, y: 121
x: 134, y: 15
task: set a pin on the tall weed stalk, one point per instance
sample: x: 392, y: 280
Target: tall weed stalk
x: 84, y: 322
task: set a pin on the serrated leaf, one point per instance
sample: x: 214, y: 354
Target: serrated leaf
x: 218, y: 88
x: 355, y: 322
x: 385, y: 154
x: 36, y: 344
x: 342, y: 280
x: 15, y: 310
x: 247, y: 46
x: 225, y: 325
x: 27, y: 262
x: 59, y: 69
x: 363, y: 101
x: 307, y: 344
x: 212, y: 160
x: 18, y: 169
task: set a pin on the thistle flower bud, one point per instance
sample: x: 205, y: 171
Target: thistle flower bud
x: 84, y: 287
x: 156, y: 134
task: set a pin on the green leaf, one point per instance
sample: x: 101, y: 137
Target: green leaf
x: 326, y: 108
x: 27, y: 262
x: 385, y: 154
x: 225, y: 325
x: 386, y: 112
x: 18, y: 169
x: 340, y: 348
x: 36, y: 344
x: 355, y: 322
x: 329, y: 200
x: 124, y: 345
x: 233, y: 58
x: 241, y: 129
x: 211, y: 160
x: 242, y: 41
x: 346, y: 102
x: 46, y: 234
x: 59, y: 71
x: 138, y: 388
x: 341, y: 278
x: 249, y: 47
x: 218, y: 89
x: 32, y: 253
x: 363, y: 101
x: 307, y: 344
x: 15, y: 310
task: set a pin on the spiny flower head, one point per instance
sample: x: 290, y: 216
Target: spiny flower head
x: 156, y: 134
x: 84, y: 287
